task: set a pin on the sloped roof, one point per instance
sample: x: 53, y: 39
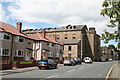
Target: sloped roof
x: 52, y: 40
x: 37, y: 36
x: 40, y: 36
x: 10, y: 29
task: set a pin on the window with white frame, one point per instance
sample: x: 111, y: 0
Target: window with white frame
x: 19, y: 39
x: 1, y: 35
x: 18, y: 53
x: 57, y: 55
x: 5, y: 52
x: 6, y: 36
x: 50, y: 44
x: 49, y: 54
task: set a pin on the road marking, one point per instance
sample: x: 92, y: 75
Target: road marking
x: 108, y: 75
x: 71, y: 70
x: 52, y: 76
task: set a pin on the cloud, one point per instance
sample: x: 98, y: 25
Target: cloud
x: 3, y: 16
x: 60, y: 12
x: 7, y: 0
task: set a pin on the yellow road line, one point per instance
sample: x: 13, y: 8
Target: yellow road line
x: 108, y: 75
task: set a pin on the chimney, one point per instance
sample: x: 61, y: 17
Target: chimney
x: 54, y: 37
x: 19, y: 26
x: 43, y: 33
x: 92, y: 30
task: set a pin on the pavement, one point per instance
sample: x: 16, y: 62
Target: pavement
x: 115, y: 73
x: 19, y: 70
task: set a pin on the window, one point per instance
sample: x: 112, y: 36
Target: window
x: 74, y: 37
x: 19, y: 39
x: 57, y: 55
x: 18, y: 53
x: 49, y: 54
x: 6, y: 36
x: 66, y: 37
x: 69, y: 48
x: 74, y: 27
x: 69, y: 55
x: 50, y: 44
x: 5, y: 52
x: 29, y: 43
x: 65, y: 34
x: 0, y: 51
x: 1, y: 35
x: 58, y: 38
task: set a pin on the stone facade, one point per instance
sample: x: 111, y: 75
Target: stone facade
x: 78, y: 40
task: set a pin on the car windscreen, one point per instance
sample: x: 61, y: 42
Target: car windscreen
x: 43, y: 60
x: 67, y: 60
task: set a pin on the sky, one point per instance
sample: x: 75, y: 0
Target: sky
x: 55, y: 13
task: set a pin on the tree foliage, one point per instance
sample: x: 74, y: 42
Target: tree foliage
x: 111, y: 8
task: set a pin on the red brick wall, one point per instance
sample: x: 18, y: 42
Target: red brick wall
x: 6, y: 66
x: 4, y: 58
x: 18, y: 58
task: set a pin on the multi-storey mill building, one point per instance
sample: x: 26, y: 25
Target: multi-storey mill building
x: 78, y: 40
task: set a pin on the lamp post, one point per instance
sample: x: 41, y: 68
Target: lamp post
x: 81, y: 47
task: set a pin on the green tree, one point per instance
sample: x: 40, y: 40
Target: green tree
x: 111, y: 8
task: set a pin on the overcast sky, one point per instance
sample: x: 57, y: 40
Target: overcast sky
x: 48, y: 13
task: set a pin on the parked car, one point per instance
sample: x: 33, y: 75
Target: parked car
x: 87, y: 60
x: 77, y: 60
x: 47, y: 63
x: 110, y: 59
x: 69, y: 62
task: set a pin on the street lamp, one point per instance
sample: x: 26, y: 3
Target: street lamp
x: 81, y: 46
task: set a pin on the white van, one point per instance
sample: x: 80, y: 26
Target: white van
x: 87, y: 60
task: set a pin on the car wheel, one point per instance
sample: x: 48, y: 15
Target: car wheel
x: 55, y: 67
x: 64, y: 64
x: 49, y: 67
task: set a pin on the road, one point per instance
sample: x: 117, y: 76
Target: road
x: 95, y: 70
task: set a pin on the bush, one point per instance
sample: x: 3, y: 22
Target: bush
x: 25, y: 62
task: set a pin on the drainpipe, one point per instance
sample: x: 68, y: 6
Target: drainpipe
x: 11, y: 57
